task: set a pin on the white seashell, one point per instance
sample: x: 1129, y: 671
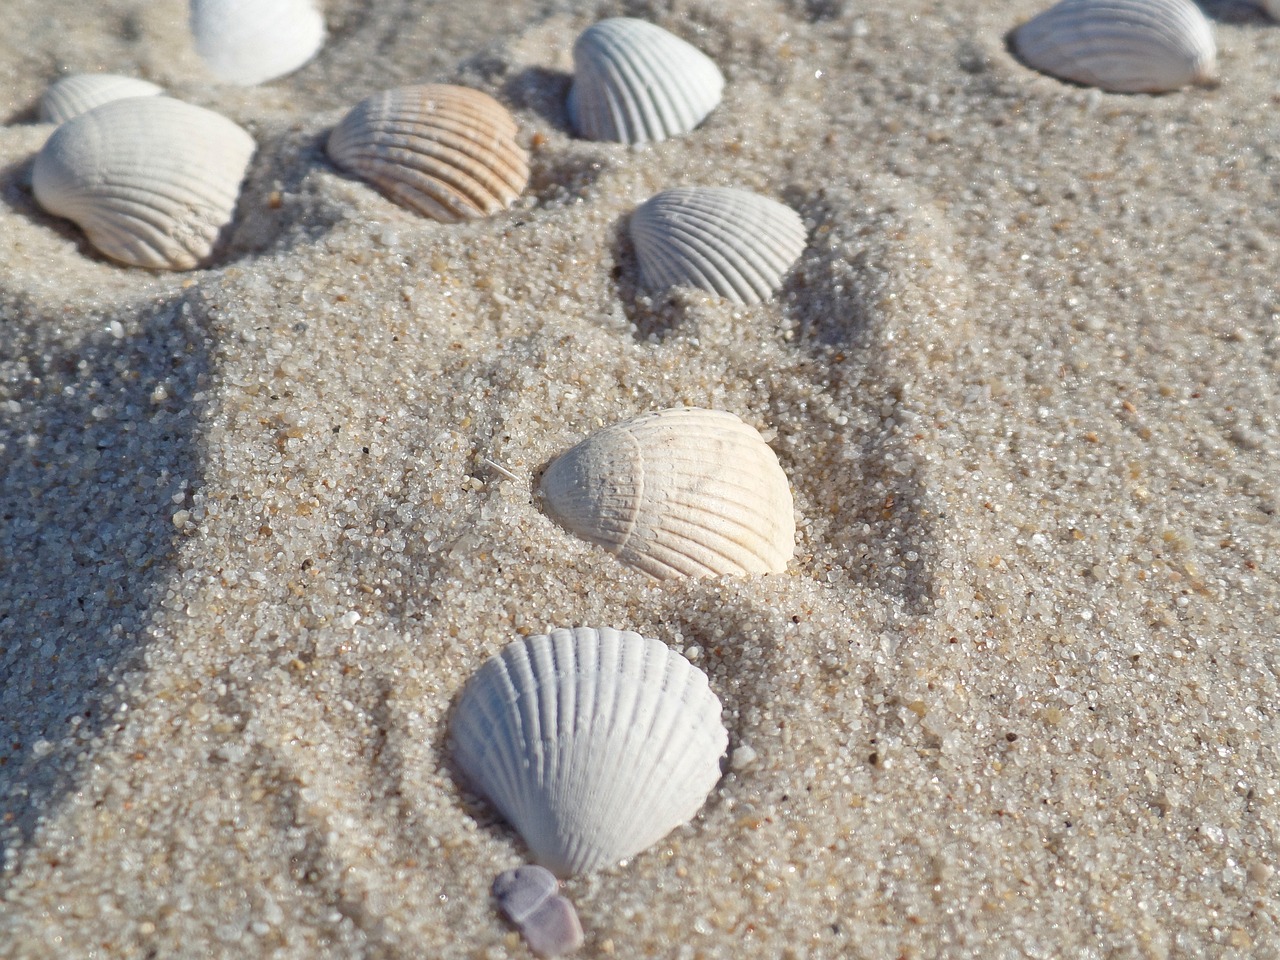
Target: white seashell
x: 729, y: 242
x: 446, y: 152
x: 634, y: 82
x: 680, y: 492
x: 1125, y: 46
x: 247, y: 42
x: 529, y: 896
x: 593, y: 743
x: 81, y: 92
x: 151, y: 181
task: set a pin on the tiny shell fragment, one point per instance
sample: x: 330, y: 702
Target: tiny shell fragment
x: 548, y: 922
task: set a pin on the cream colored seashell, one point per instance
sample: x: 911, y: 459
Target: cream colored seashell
x: 150, y: 180
x: 680, y: 492
x: 81, y: 92
x: 634, y: 82
x: 729, y: 242
x: 446, y: 152
x: 593, y: 743
x: 1125, y: 46
x: 247, y: 42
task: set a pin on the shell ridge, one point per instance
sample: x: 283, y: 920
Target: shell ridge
x: 731, y: 274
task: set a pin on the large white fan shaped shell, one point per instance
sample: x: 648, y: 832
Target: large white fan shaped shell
x: 592, y: 743
x: 81, y: 92
x: 1125, y: 46
x: 680, y: 492
x: 247, y: 42
x: 151, y: 181
x: 634, y: 82
x: 729, y: 242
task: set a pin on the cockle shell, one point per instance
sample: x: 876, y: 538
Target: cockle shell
x: 634, y: 82
x: 1125, y: 46
x: 151, y: 181
x: 593, y: 743
x: 530, y: 898
x: 446, y: 152
x: 81, y: 92
x: 680, y: 492
x: 729, y: 242
x: 247, y: 42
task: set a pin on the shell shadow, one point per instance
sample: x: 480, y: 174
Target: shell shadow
x: 827, y: 299
x: 101, y: 447
x: 1235, y: 12
x: 653, y: 317
x: 542, y: 91
x: 278, y: 208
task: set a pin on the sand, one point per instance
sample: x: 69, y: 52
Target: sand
x: 1015, y: 695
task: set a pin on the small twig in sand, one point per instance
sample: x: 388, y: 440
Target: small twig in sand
x: 501, y: 469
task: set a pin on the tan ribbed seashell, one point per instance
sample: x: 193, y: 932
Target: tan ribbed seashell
x: 681, y: 492
x: 1125, y: 46
x: 81, y: 92
x: 247, y: 42
x: 150, y: 180
x: 447, y: 152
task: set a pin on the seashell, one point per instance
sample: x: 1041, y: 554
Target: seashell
x: 529, y: 896
x: 729, y: 242
x: 634, y: 82
x: 1125, y: 46
x: 81, y: 92
x: 1273, y: 8
x: 150, y: 180
x: 247, y: 42
x: 593, y: 743
x: 446, y: 152
x: 680, y: 492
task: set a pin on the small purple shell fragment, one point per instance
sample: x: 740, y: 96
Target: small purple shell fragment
x: 547, y: 921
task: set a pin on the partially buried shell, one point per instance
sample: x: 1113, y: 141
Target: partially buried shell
x: 729, y: 242
x: 81, y: 92
x: 680, y: 492
x: 446, y: 152
x: 247, y: 42
x: 151, y: 181
x: 592, y: 743
x: 1125, y: 46
x: 634, y: 82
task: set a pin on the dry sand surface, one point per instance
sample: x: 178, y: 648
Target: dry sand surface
x: 1014, y: 697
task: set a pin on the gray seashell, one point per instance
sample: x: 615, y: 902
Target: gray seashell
x: 729, y: 242
x: 529, y: 896
x: 1125, y: 46
x: 81, y: 92
x: 247, y: 42
x: 150, y: 180
x: 680, y: 492
x: 593, y: 743
x: 444, y: 151
x: 1273, y: 8
x: 634, y: 82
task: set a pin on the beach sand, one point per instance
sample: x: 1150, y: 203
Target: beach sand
x: 1014, y: 697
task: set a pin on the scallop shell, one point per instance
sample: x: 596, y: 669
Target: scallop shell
x: 680, y: 492
x: 593, y: 743
x: 247, y: 42
x: 81, y: 92
x: 446, y: 152
x: 729, y: 242
x: 1125, y: 46
x: 634, y: 82
x: 151, y: 181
